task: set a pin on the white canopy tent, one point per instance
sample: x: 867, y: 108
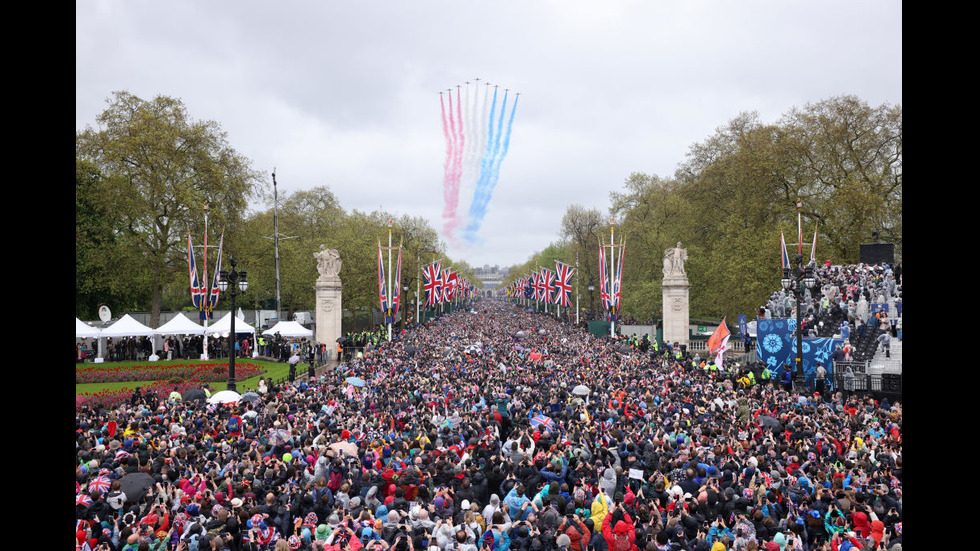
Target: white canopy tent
x: 180, y: 325
x: 223, y: 326
x: 125, y: 327
x: 289, y: 330
x: 85, y: 331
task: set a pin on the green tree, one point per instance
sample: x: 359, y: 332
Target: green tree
x: 160, y: 166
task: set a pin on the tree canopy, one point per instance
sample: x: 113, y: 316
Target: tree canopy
x: 155, y: 166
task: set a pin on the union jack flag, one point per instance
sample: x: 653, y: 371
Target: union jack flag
x: 396, y: 293
x: 382, y: 288
x: 454, y: 285
x: 215, y: 291
x: 563, y: 284
x: 529, y: 287
x: 548, y: 285
x: 603, y: 279
x: 197, y: 290
x: 100, y: 483
x: 432, y: 284
x: 448, y: 285
x: 618, y: 285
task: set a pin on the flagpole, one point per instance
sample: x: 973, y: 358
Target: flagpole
x: 418, y: 280
x: 576, y: 291
x: 390, y: 296
x: 207, y: 296
x: 612, y: 277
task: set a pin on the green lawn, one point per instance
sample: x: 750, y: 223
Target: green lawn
x: 273, y: 371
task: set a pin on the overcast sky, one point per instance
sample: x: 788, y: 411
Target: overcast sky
x: 346, y: 94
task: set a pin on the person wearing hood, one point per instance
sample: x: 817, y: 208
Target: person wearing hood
x: 621, y: 535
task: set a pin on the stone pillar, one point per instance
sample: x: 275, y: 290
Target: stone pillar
x: 676, y: 296
x: 329, y: 309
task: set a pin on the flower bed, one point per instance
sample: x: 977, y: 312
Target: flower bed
x: 166, y: 379
x: 203, y: 372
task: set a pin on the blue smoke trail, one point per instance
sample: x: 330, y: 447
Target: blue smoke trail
x: 490, y: 170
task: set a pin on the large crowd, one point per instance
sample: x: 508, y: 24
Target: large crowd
x: 497, y: 429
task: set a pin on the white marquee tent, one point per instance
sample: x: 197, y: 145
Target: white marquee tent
x: 126, y: 327
x: 84, y: 330
x: 180, y: 325
x: 289, y: 330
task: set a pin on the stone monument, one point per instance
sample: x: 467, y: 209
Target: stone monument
x: 676, y: 296
x: 329, y: 311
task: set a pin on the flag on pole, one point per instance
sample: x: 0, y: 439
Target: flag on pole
x: 547, y: 285
x: 603, y: 279
x: 396, y: 290
x: 433, y: 284
x: 382, y: 288
x: 782, y: 242
x: 197, y: 290
x: 215, y: 291
x: 718, y: 342
x: 813, y: 248
x: 618, y: 290
x: 563, y: 284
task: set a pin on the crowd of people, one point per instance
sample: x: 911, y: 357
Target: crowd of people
x: 497, y: 429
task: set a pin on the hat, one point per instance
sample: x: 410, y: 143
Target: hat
x: 236, y: 503
x: 333, y: 520
x: 564, y: 541
x: 322, y: 532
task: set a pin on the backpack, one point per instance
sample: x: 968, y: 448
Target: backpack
x: 233, y: 423
x: 621, y: 543
x: 334, y: 481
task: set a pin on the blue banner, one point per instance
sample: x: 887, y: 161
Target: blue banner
x: 743, y: 325
x: 777, y: 346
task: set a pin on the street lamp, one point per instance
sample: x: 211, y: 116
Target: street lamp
x: 236, y: 280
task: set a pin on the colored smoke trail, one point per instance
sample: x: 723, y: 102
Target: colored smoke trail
x: 490, y: 173
x: 477, y: 141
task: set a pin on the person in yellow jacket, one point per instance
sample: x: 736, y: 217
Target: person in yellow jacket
x: 600, y: 508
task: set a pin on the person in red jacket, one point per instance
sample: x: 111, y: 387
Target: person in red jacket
x: 619, y: 530
x: 576, y: 530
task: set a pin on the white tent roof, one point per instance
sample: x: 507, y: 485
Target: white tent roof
x: 126, y: 327
x: 180, y: 325
x: 224, y: 326
x: 289, y: 329
x: 84, y: 330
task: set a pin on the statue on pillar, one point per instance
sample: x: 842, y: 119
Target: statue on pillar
x: 328, y: 262
x: 674, y: 261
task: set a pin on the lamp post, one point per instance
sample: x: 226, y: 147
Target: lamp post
x: 235, y: 280
x: 796, y: 280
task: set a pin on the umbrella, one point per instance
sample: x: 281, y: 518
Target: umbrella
x: 83, y: 499
x: 100, y: 483
x: 225, y: 397
x: 194, y: 394
x: 346, y: 447
x: 520, y: 334
x: 581, y: 390
x: 356, y: 381
x: 772, y: 422
x: 342, y: 340
x: 539, y: 420
x: 541, y: 331
x: 520, y: 348
x: 250, y: 396
x: 135, y: 485
x: 278, y: 437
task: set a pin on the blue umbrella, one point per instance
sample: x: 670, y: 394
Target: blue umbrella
x: 356, y: 381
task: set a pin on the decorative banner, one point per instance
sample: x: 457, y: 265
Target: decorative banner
x: 777, y: 346
x: 396, y: 291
